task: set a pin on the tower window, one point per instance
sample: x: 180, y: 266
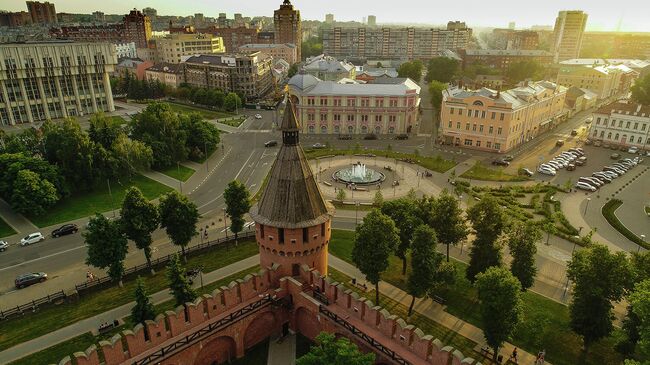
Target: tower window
x: 305, y: 235
x: 281, y: 235
x: 322, y: 230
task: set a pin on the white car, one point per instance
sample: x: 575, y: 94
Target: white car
x: 585, y: 186
x: 633, y: 149
x: 554, y: 164
x: 32, y: 238
x: 258, y: 116
x: 3, y: 245
x: 546, y: 171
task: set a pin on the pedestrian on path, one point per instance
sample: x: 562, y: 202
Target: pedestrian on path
x: 513, y: 357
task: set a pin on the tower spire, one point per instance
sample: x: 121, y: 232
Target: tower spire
x: 289, y: 125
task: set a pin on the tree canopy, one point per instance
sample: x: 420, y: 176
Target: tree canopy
x: 488, y: 221
x: 32, y: 194
x: 412, y: 70
x: 143, y: 310
x: 107, y: 245
x: 425, y: 262
x: 179, y: 285
x: 178, y: 215
x: 403, y: 213
x: 435, y: 89
x: 238, y: 203
x: 447, y: 220
x: 640, y: 305
x: 442, y: 69
x: 139, y: 218
x: 232, y: 102
x: 520, y: 71
x: 521, y: 239
x: 641, y: 90
x: 332, y: 351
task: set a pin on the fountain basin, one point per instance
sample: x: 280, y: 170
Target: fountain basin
x: 358, y: 174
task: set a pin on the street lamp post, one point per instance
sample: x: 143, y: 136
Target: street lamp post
x: 356, y: 213
x: 225, y: 226
x: 205, y: 149
x: 180, y: 182
x: 587, y: 206
x: 108, y: 182
x: 638, y: 248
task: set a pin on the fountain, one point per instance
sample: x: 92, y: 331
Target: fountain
x: 358, y: 174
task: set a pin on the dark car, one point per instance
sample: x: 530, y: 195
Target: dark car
x: 345, y: 136
x: 500, y: 163
x: 370, y: 136
x: 271, y: 144
x: 574, y: 132
x: 65, y: 230
x: 29, y: 279
x: 402, y: 136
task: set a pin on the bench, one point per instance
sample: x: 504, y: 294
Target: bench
x: 486, y: 351
x: 438, y: 299
x: 107, y: 327
x: 327, y: 183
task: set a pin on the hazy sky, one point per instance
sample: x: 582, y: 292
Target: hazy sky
x: 603, y: 15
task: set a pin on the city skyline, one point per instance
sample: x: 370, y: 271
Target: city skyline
x: 601, y: 17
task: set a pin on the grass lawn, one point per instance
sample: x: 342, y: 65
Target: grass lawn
x: 436, y: 163
x: 235, y: 122
x: 21, y: 329
x: 55, y: 353
x: 205, y: 113
x: 83, y: 204
x: 609, y: 212
x: 545, y: 324
x: 178, y: 172
x: 117, y: 119
x: 481, y: 172
x: 5, y: 229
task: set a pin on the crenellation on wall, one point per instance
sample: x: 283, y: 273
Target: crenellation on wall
x: 456, y: 357
x: 357, y: 306
x: 421, y: 344
x: 403, y: 332
x: 135, y: 341
x: 247, y: 288
x: 66, y: 361
x: 230, y: 296
x: 113, y: 350
x: 157, y: 331
x: 88, y: 357
x: 387, y: 323
x: 176, y: 321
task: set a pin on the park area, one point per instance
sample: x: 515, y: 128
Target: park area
x: 205, y: 113
x: 178, y: 172
x: 5, y: 229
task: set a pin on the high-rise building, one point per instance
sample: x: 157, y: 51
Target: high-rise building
x: 511, y: 25
x: 329, y: 18
x: 57, y: 79
x: 137, y: 28
x: 568, y: 32
x: 177, y: 47
x: 372, y: 21
x: 42, y: 13
x: 99, y: 16
x: 15, y: 19
x: 288, y: 28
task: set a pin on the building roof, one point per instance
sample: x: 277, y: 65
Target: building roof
x: 631, y: 63
x: 218, y: 59
x: 315, y: 86
x: 324, y: 63
x: 389, y: 80
x: 291, y: 198
x: 254, y: 46
x: 129, y: 62
x: 166, y: 67
x: 518, y: 97
x: 303, y: 81
x: 625, y: 107
x: 378, y: 72
x: 508, y: 52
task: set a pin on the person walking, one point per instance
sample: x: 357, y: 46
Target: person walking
x: 513, y: 356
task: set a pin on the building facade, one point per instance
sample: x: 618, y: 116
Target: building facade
x: 137, y: 28
x: 49, y: 80
x: 134, y: 66
x: 568, y: 33
x: 177, y: 47
x: 170, y: 74
x: 247, y: 74
x: 393, y: 43
x: 622, y: 123
x: 496, y: 121
x: 111, y: 33
x: 608, y: 81
x: 502, y: 59
x: 372, y: 21
x: 511, y: 39
x: 42, y: 13
x: 15, y: 19
x: 287, y: 52
x: 329, y: 107
x: 328, y: 68
x: 126, y: 50
x: 233, y: 38
x: 288, y: 27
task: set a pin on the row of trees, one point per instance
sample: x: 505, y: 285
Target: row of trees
x: 641, y: 90
x: 215, y: 98
x: 412, y: 70
x: 172, y: 136
x: 137, y: 89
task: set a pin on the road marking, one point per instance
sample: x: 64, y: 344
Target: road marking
x: 244, y: 165
x: 211, y: 171
x: 41, y: 258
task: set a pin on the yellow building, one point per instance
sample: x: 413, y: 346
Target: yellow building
x: 605, y: 81
x: 567, y: 33
x: 177, y: 47
x: 496, y: 121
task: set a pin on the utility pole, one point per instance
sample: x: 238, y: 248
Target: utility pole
x: 108, y: 181
x: 180, y: 182
x: 205, y: 148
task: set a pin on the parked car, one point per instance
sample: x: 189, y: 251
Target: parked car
x: 26, y: 280
x: 270, y: 143
x: 527, y: 172
x: 65, y: 230
x: 614, y: 156
x: 402, y: 136
x: 597, y: 143
x: 589, y: 142
x: 589, y: 120
x: 591, y: 181
x: 318, y: 145
x: 508, y: 158
x: 614, y: 169
x: 32, y: 238
x: 585, y: 186
x: 581, y: 161
x: 500, y: 162
x: 554, y: 164
x: 602, y: 177
x: 633, y: 149
x: 559, y: 143
x: 3, y: 245
x: 577, y: 150
x: 258, y: 116
x: 345, y: 136
x: 370, y: 136
x: 574, y: 132
x: 546, y: 170
x: 571, y: 167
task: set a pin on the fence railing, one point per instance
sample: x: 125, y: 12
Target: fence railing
x: 85, y: 286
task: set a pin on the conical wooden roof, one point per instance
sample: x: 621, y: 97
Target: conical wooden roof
x: 291, y: 198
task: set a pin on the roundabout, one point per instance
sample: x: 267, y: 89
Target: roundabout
x: 358, y: 174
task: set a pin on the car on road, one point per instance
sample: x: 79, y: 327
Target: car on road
x: 574, y: 132
x: 32, y: 238
x: 258, y: 116
x: 585, y: 186
x: 508, y: 158
x: 65, y: 229
x: 500, y: 162
x: 581, y: 161
x: 527, y: 172
x: 589, y: 120
x: 3, y: 245
x: 618, y: 171
x: 554, y: 164
x: 318, y: 146
x: 559, y: 142
x: 26, y: 280
x: 591, y: 181
x: 614, y: 156
x: 579, y: 151
x: 345, y: 136
x: 270, y: 143
x: 402, y: 136
x: 370, y: 136
x: 633, y: 149
x: 547, y: 170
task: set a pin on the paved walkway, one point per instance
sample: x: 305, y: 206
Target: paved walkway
x: 283, y: 353
x: 434, y: 311
x: 17, y: 221
x: 92, y: 323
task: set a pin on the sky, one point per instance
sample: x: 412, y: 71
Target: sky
x: 603, y: 15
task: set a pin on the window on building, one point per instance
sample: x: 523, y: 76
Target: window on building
x: 337, y: 102
x: 323, y: 117
x: 499, y: 130
x: 598, y: 121
x: 460, y: 111
x: 627, y: 125
x: 488, y: 144
x: 350, y: 117
x: 352, y: 102
x: 636, y: 126
x: 449, y: 125
x: 620, y: 124
x: 457, y: 125
x: 468, y: 142
x: 643, y: 127
x: 602, y: 134
x: 478, y: 143
x: 305, y: 235
x: 616, y: 137
x: 494, y: 114
x: 378, y: 118
x: 469, y: 112
x: 337, y: 117
x: 310, y: 116
x: 476, y: 113
x: 474, y: 127
x: 491, y: 130
x: 502, y: 116
x: 609, y: 135
x: 497, y: 146
x: 483, y: 114
x: 323, y: 101
x: 480, y: 128
x: 451, y: 111
x: 466, y: 126
x: 281, y: 235
x: 364, y: 118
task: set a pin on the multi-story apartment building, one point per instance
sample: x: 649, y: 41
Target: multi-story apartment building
x: 328, y: 68
x: 246, y: 74
x: 134, y: 66
x: 15, y: 19
x: 607, y: 81
x: 393, y: 43
x: 372, y: 21
x: 568, y: 32
x: 623, y: 123
x: 329, y: 107
x: 137, y: 28
x: 126, y: 50
x: 177, y: 47
x: 170, y: 74
x: 48, y: 80
x: 614, y: 44
x: 515, y: 39
x: 111, y: 33
x: 42, y: 13
x: 502, y: 59
x: 287, y: 52
x: 233, y: 38
x: 496, y: 121
x: 288, y: 27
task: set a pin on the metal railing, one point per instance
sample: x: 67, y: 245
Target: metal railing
x: 362, y: 335
x: 85, y: 286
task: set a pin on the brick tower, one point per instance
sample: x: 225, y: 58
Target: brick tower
x: 292, y: 220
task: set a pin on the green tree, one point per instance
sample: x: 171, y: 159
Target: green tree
x: 238, y: 203
x: 292, y: 70
x: 424, y: 263
x: 435, y: 89
x: 32, y: 194
x: 442, y: 69
x: 332, y: 351
x: 378, y: 200
x: 412, y: 70
x: 232, y: 102
x: 143, y: 309
x: 375, y: 240
x: 599, y: 277
x: 501, y: 306
x: 641, y: 90
x: 139, y: 218
x: 640, y: 304
x: 523, y: 70
x: 179, y: 285
x: 104, y: 130
x: 640, y: 262
x: 488, y: 221
x: 340, y: 195
x: 403, y: 213
x: 12, y: 163
x: 448, y: 221
x: 521, y: 239
x: 107, y: 246
x: 178, y: 215
x: 131, y: 156
x: 202, y: 137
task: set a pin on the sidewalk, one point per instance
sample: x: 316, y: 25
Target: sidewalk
x: 17, y: 221
x: 434, y: 311
x: 89, y: 324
